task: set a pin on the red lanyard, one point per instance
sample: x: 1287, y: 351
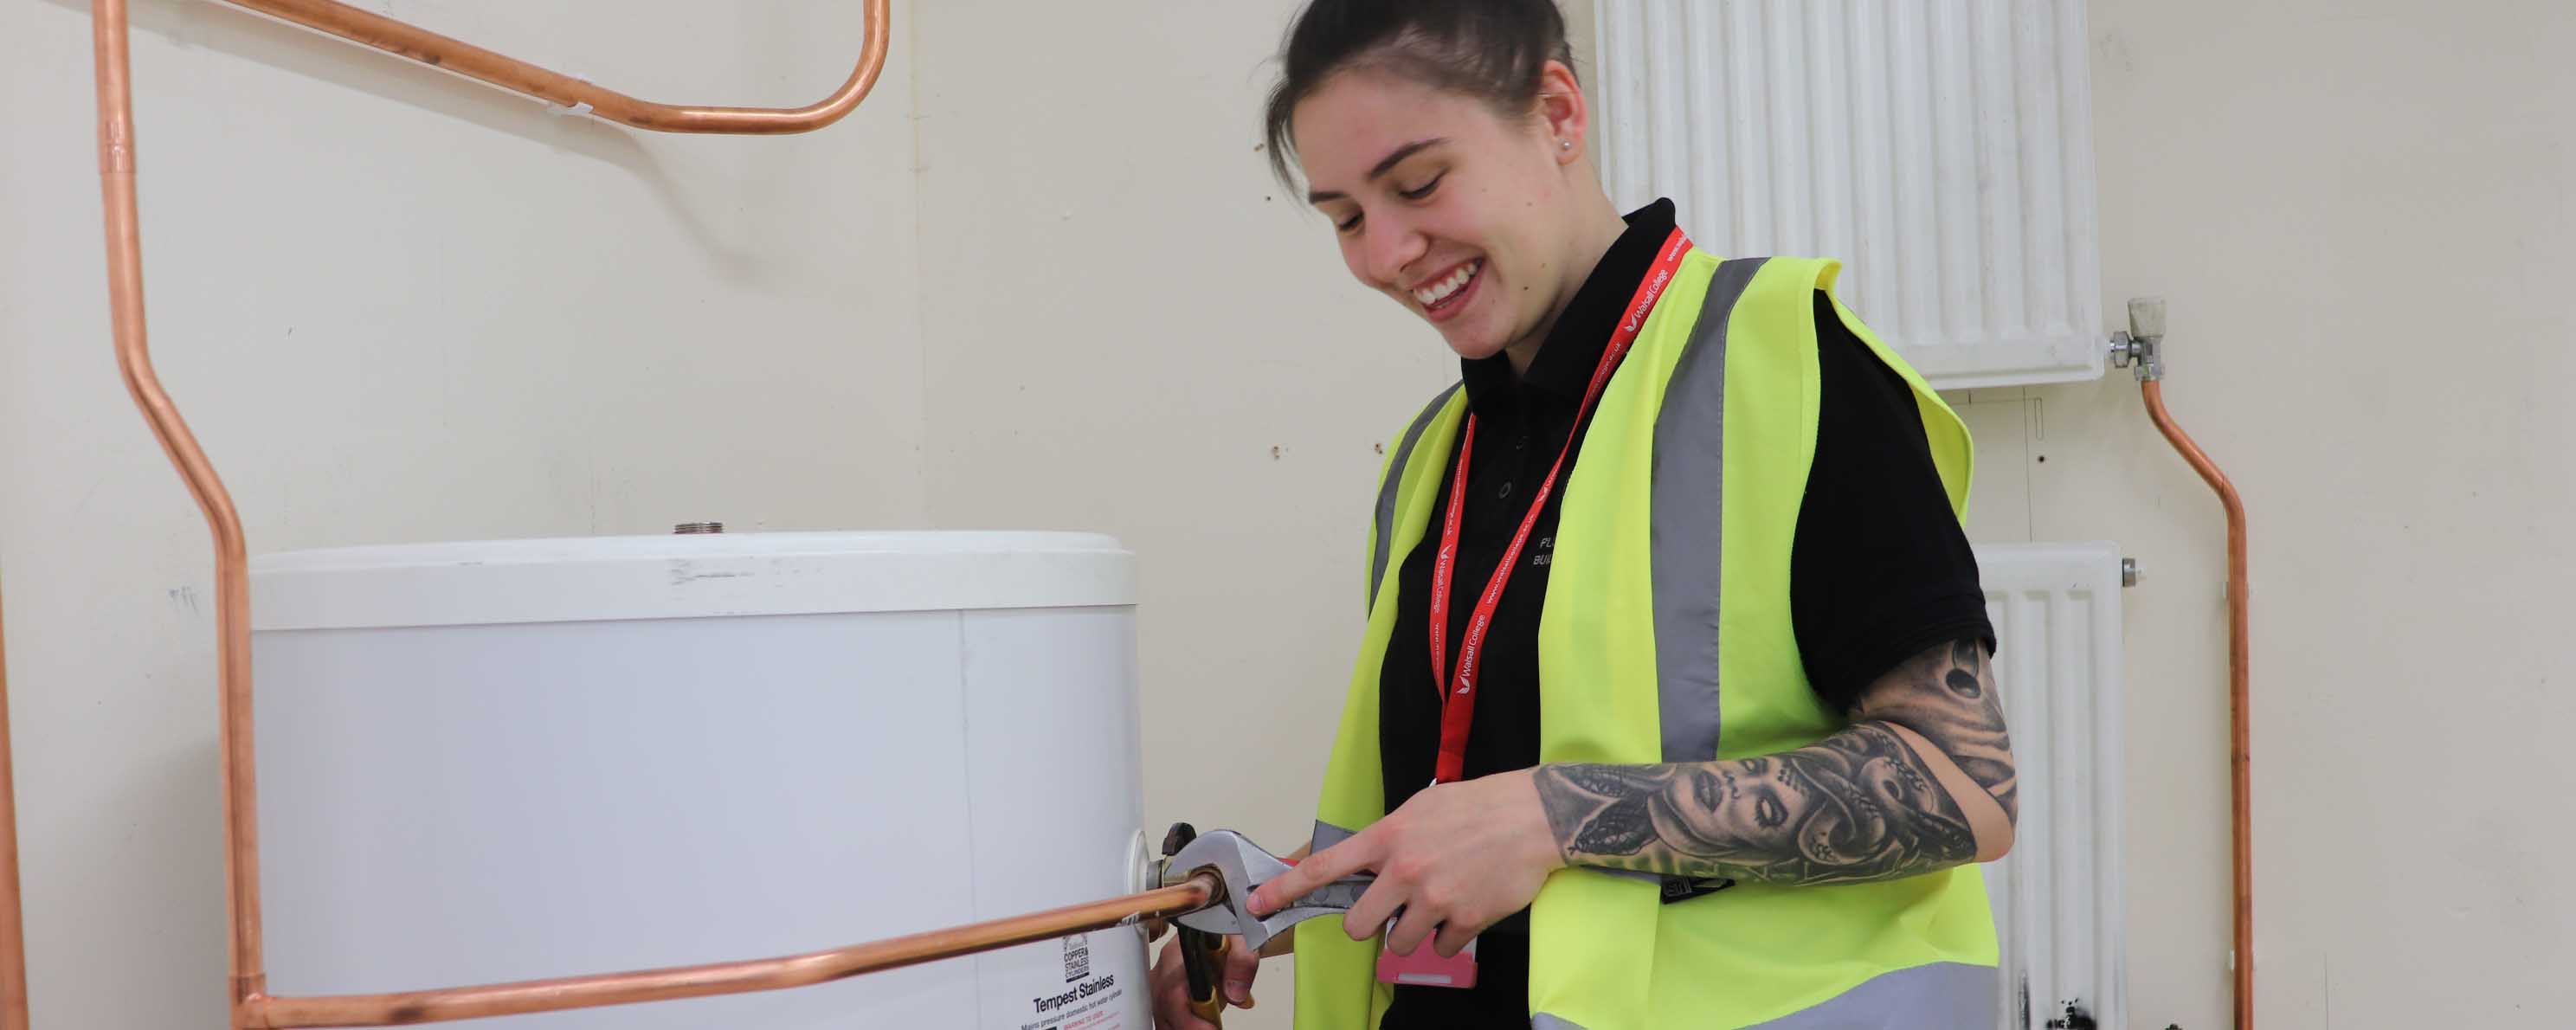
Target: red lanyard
x: 1458, y: 697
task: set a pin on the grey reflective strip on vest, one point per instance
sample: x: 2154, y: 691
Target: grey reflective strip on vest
x: 1327, y: 835
x: 1941, y: 996
x: 1688, y: 523
x: 1394, y: 479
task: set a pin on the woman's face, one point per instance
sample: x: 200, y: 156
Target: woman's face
x: 1461, y: 215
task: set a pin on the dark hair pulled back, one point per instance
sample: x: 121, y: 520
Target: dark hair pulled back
x: 1492, y: 50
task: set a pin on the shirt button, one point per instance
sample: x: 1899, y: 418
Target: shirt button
x: 1507, y: 491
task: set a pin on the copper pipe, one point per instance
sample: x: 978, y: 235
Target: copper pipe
x: 2239, y: 659
x: 725, y: 978
x: 232, y: 583
x: 232, y: 591
x: 13, y: 941
x: 403, y: 39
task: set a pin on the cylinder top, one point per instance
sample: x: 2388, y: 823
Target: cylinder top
x: 583, y: 579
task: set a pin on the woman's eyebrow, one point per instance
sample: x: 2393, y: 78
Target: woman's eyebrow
x: 1384, y: 165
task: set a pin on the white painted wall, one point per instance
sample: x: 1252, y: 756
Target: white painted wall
x: 1091, y: 310
x: 2362, y: 215
x: 399, y: 307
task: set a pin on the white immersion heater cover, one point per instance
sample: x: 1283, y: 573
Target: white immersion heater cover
x: 524, y: 759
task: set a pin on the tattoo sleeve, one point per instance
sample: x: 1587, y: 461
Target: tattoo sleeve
x: 1860, y: 805
x: 1948, y: 696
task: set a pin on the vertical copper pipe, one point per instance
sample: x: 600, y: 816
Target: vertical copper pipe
x: 2239, y: 659
x: 232, y: 583
x: 13, y: 940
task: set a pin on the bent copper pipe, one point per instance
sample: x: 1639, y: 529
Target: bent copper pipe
x: 232, y: 586
x: 13, y: 941
x: 403, y: 39
x: 2239, y: 659
x: 232, y: 582
x: 1196, y: 893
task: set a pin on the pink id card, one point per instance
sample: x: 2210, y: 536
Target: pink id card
x: 1425, y: 967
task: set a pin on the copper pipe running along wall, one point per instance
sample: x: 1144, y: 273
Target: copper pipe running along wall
x: 232, y: 582
x: 2239, y: 659
x: 232, y: 616
x: 13, y: 940
x: 406, y: 40
x: 1197, y: 892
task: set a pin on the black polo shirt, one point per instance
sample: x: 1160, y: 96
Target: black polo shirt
x: 1879, y: 571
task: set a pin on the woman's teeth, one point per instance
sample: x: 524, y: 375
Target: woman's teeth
x: 1440, y: 291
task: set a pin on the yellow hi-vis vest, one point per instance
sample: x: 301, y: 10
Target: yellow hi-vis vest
x: 1660, y: 643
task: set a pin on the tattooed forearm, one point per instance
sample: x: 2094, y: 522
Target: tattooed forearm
x: 1856, y: 806
x: 1861, y: 805
x: 1948, y: 696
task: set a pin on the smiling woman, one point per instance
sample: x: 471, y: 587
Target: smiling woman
x: 1711, y: 736
x: 1438, y: 138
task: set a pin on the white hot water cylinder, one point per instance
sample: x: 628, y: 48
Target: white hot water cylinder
x: 522, y: 759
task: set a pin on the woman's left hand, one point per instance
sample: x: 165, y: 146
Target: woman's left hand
x: 1456, y: 858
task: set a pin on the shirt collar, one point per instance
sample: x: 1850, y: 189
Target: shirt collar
x: 1563, y: 368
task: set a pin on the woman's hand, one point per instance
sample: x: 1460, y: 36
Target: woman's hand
x: 1456, y: 858
x: 1169, y: 986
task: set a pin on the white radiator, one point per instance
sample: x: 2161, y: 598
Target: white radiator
x: 1943, y: 149
x: 2057, y: 897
